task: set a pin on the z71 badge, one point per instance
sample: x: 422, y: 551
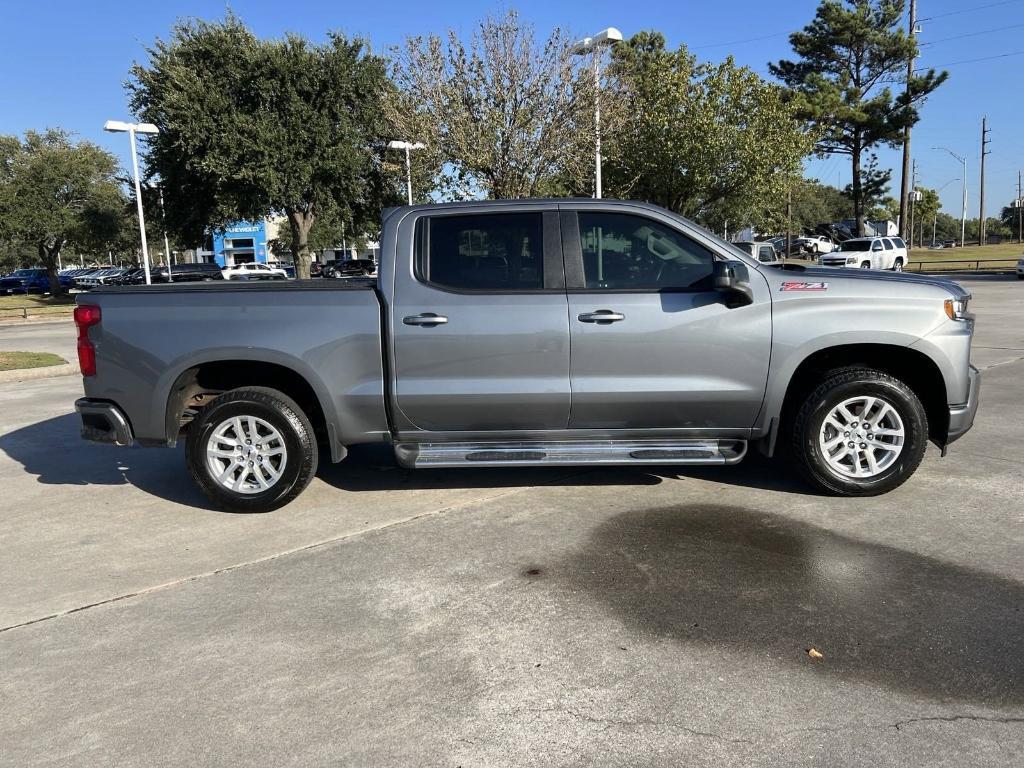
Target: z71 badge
x: 804, y: 287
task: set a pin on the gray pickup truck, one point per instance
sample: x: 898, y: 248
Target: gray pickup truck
x: 535, y: 332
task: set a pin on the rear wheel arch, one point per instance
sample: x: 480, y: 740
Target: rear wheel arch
x: 911, y: 366
x: 200, y: 384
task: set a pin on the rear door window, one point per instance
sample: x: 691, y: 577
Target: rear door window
x: 495, y: 252
x: 887, y: 243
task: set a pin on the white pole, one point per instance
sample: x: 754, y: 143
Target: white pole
x: 963, y: 214
x: 408, y: 172
x: 167, y: 246
x: 597, y: 120
x: 138, y: 202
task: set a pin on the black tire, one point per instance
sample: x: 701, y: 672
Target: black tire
x: 286, y: 417
x: 897, y: 265
x: 865, y: 265
x: 836, y: 387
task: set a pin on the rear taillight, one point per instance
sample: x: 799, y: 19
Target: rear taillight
x: 86, y: 316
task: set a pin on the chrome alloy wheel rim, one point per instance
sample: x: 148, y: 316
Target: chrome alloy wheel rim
x: 861, y: 437
x: 246, y: 454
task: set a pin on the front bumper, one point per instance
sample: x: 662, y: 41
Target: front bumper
x: 961, y: 417
x: 103, y: 422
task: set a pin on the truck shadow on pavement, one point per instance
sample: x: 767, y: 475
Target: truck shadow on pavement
x: 776, y: 587
x: 54, y: 451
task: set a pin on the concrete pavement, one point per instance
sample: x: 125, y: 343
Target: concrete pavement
x: 470, y: 617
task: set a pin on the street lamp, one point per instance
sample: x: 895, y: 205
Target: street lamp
x: 963, y: 214
x: 593, y: 45
x: 407, y: 146
x: 117, y: 126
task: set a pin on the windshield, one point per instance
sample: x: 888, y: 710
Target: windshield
x: 855, y: 245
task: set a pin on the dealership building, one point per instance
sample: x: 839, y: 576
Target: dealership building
x: 242, y: 242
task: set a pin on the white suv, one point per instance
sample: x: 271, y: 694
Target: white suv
x: 868, y: 253
x: 254, y: 271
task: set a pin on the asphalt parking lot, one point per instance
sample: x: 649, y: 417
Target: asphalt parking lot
x: 512, y: 618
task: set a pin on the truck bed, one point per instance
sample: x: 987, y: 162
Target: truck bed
x: 326, y: 331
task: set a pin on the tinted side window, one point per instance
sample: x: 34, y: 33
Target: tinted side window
x: 767, y: 253
x: 622, y: 251
x: 899, y: 242
x: 888, y: 244
x: 496, y: 251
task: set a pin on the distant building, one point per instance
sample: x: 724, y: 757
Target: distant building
x: 244, y: 242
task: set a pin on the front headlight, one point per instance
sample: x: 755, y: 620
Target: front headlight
x: 851, y: 259
x: 956, y: 309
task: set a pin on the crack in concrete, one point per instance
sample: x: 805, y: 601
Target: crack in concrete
x: 621, y: 723
x: 957, y: 718
x: 279, y: 555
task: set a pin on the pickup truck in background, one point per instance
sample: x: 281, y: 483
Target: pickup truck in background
x: 535, y: 332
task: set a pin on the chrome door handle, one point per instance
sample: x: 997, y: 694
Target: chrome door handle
x: 601, y: 316
x: 427, y: 318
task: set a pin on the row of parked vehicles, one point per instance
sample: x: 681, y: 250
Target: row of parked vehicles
x: 37, y: 280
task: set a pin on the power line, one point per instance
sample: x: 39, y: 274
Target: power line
x: 740, y: 42
x: 968, y: 10
x: 970, y: 61
x: 969, y: 34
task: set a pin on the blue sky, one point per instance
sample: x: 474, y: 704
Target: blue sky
x: 66, y: 61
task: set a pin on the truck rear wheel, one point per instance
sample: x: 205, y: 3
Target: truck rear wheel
x: 251, y: 450
x: 860, y: 433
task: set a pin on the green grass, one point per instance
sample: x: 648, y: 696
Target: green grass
x: 946, y: 258
x: 12, y: 306
x: 13, y: 361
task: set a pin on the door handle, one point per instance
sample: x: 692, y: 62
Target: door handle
x: 427, y: 318
x: 601, y: 316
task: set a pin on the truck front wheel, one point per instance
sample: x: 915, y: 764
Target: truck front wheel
x: 860, y: 433
x: 251, y: 450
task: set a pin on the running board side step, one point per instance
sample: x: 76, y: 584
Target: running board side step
x: 569, y: 453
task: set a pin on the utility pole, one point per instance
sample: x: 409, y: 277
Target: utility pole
x: 904, y: 190
x: 1020, y: 213
x: 907, y: 227
x: 789, y: 221
x: 981, y: 194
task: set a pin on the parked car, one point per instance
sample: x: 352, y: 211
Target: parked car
x: 316, y: 269
x: 763, y: 252
x: 814, y: 244
x: 350, y: 268
x: 683, y: 351
x: 31, y: 280
x: 949, y: 243
x: 254, y: 271
x: 184, y: 273
x: 287, y: 266
x: 1020, y: 268
x: 101, y: 276
x: 869, y: 253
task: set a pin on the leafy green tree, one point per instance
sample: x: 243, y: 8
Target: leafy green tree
x: 815, y: 203
x: 1009, y: 217
x: 252, y: 127
x: 874, y: 190
x: 501, y: 114
x: 713, y: 142
x: 848, y: 57
x: 56, y: 192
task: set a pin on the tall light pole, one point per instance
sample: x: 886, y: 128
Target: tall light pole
x: 407, y: 146
x: 167, y: 246
x: 116, y: 126
x: 935, y: 215
x: 963, y: 213
x: 593, y: 45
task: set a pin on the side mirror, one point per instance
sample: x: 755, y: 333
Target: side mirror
x: 876, y: 247
x: 732, y: 279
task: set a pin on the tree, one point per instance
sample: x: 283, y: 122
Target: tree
x: 874, y: 190
x: 1009, y: 216
x: 815, y: 203
x: 713, y: 142
x: 501, y: 115
x: 252, y: 127
x: 55, y: 192
x: 848, y: 56
x: 925, y: 212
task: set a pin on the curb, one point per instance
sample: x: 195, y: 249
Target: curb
x: 46, y: 372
